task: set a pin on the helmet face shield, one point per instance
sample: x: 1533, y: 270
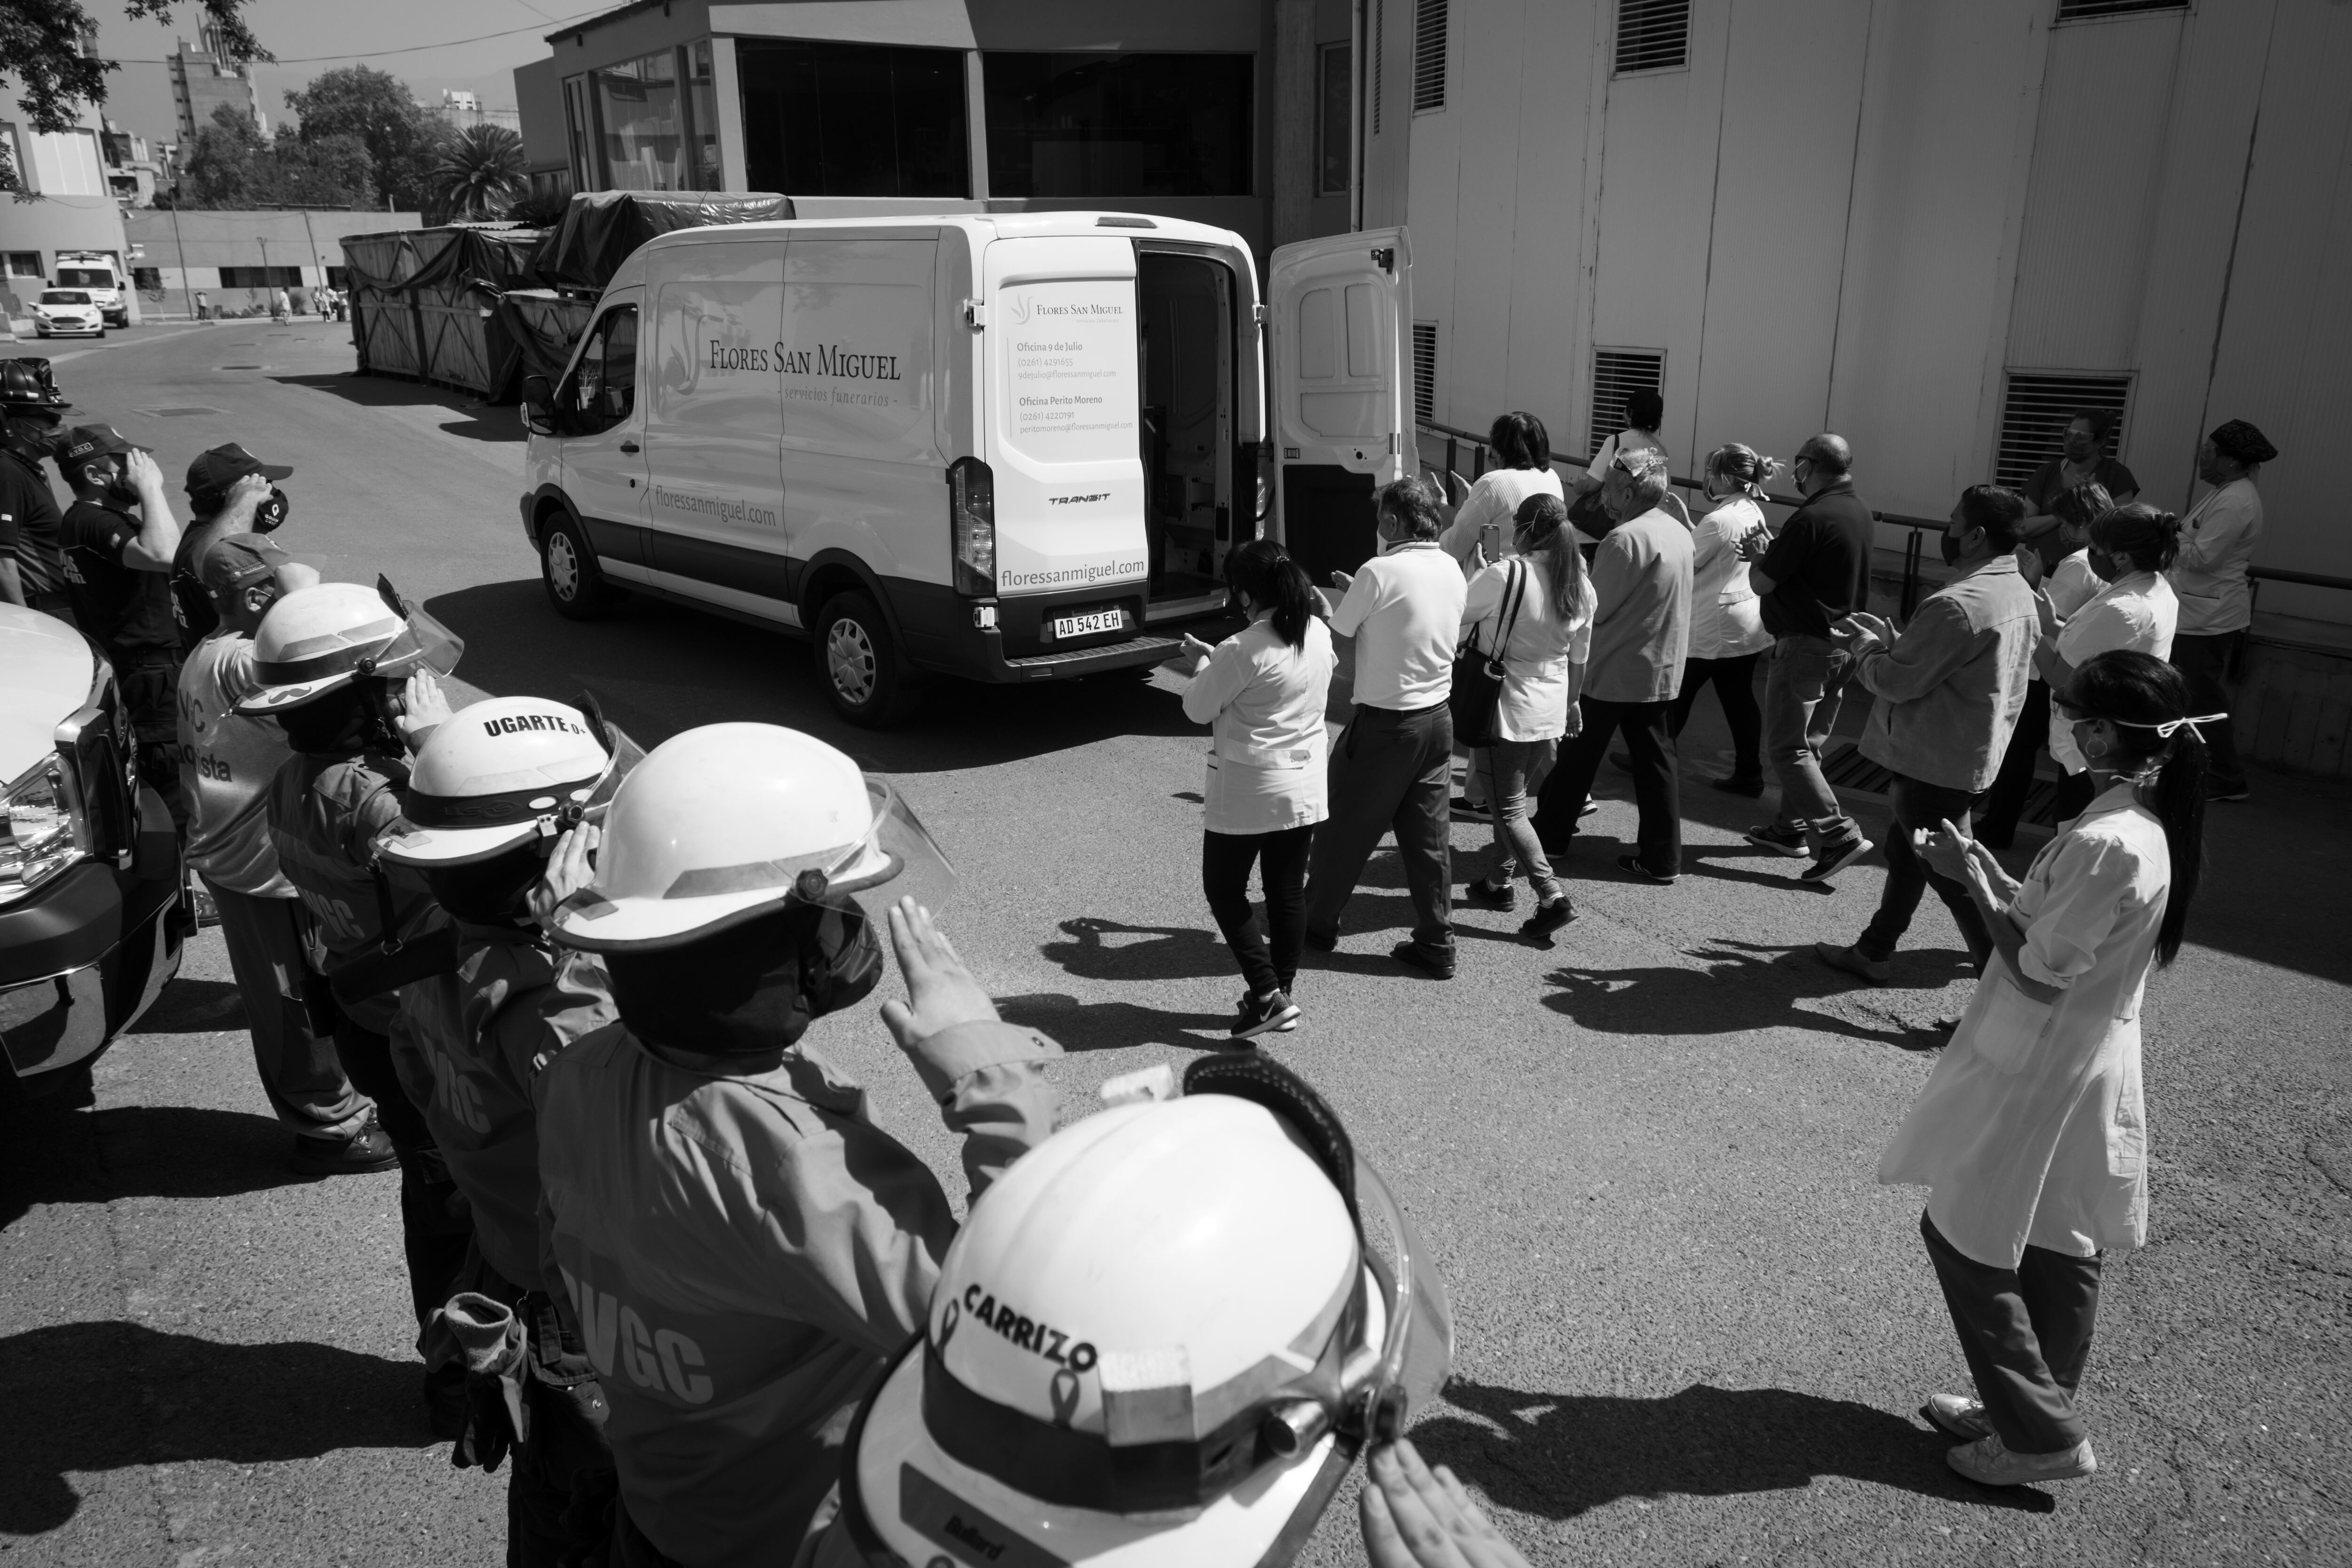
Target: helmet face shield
x: 897, y: 857
x: 1416, y: 1353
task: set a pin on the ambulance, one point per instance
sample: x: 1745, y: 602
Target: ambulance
x: 1004, y: 447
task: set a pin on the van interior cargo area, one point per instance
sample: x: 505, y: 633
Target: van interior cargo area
x: 1186, y: 329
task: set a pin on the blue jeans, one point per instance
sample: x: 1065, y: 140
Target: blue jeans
x: 1801, y: 693
x: 1514, y: 770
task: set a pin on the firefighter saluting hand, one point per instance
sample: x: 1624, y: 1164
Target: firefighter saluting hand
x: 743, y: 1246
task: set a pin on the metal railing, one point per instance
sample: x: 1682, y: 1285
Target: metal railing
x: 1914, y: 550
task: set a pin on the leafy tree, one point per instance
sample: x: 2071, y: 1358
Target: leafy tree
x: 480, y: 169
x: 230, y: 166
x: 403, y: 140
x: 41, y: 45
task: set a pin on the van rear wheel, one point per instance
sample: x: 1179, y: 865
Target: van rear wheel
x: 568, y: 568
x: 866, y: 676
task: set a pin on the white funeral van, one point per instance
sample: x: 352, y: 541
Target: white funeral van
x: 1004, y: 447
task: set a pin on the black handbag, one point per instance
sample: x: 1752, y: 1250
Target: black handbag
x: 1478, y: 674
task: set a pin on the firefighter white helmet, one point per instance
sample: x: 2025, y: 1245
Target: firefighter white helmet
x: 502, y: 773
x: 1160, y: 1341
x: 724, y: 822
x: 317, y: 639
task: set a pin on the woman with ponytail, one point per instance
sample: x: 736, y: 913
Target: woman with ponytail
x: 1263, y: 691
x: 2030, y: 1136
x: 1726, y: 624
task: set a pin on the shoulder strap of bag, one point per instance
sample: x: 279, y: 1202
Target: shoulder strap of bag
x: 1518, y: 596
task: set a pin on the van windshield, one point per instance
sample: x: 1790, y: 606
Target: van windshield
x: 1071, y: 380
x: 84, y: 278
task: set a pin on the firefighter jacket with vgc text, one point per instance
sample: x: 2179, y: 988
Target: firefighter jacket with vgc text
x: 743, y: 1249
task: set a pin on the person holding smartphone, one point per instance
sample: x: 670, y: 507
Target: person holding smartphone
x: 1483, y: 525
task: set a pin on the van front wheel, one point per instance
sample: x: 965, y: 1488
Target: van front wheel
x: 568, y: 568
x: 864, y: 675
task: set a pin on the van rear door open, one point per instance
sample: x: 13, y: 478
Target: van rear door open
x: 1341, y: 307
x: 1063, y: 423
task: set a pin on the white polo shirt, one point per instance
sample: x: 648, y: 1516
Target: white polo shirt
x: 1404, y: 610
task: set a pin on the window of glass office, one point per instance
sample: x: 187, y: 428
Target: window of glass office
x: 853, y: 120
x: 1118, y: 125
x: 641, y: 125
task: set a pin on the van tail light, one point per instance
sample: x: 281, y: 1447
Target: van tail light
x: 971, y: 524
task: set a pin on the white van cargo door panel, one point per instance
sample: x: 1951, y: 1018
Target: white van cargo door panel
x: 1063, y: 424
x: 1340, y: 308
x: 604, y: 448
x: 860, y: 447
x: 715, y: 498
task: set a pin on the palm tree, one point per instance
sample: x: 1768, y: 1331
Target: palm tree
x: 480, y: 170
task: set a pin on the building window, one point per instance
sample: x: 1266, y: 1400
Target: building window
x: 551, y: 184
x: 261, y: 278
x: 2036, y: 410
x: 2088, y: 10
x: 644, y: 142
x: 62, y: 163
x: 147, y: 279
x: 1428, y: 55
x: 853, y: 120
x: 23, y: 263
x: 1334, y: 103
x: 1653, y: 35
x: 1424, y: 370
x: 1617, y: 375
x: 702, y: 118
x: 581, y: 120
x: 1118, y: 125
x: 338, y: 278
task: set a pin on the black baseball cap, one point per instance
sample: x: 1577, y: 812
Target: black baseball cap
x: 86, y: 443
x: 214, y: 471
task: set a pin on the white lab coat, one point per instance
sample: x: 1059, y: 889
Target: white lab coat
x: 2032, y: 1130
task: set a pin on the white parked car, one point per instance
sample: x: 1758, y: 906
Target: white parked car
x: 67, y: 313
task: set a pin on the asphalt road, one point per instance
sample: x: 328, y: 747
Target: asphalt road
x: 1691, y: 1328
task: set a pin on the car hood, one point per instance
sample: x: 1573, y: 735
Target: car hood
x: 46, y: 668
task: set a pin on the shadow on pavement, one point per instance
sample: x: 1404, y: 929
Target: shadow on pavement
x: 1556, y: 1456
x: 54, y: 1155
x: 1112, y: 1026
x: 485, y: 421
x: 658, y: 668
x: 1187, y: 953
x: 99, y: 1396
x: 1743, y: 986
x: 194, y: 1007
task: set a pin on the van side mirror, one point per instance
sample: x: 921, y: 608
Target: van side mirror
x: 539, y: 405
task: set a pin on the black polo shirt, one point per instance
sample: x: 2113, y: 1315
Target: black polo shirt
x: 1820, y: 564
x: 127, y: 609
x: 30, y: 527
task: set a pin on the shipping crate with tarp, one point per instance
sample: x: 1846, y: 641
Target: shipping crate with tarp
x: 425, y: 303
x: 600, y: 230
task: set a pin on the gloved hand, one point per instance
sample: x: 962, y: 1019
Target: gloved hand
x: 494, y: 1344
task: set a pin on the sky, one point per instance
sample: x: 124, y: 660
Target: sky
x: 303, y: 33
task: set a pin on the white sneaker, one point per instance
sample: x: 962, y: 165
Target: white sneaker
x: 1989, y: 1462
x: 1958, y: 1414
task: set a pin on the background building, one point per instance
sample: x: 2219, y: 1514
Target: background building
x: 70, y: 201
x: 202, y: 79
x: 1016, y: 103
x: 459, y: 109
x: 239, y: 258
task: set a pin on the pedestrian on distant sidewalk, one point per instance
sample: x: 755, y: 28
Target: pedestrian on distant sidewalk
x: 1949, y: 687
x: 2216, y: 602
x: 1392, y: 766
x: 1263, y: 689
x: 1534, y: 611
x: 2031, y: 1135
x: 1641, y: 634
x: 1810, y: 574
x: 1728, y: 634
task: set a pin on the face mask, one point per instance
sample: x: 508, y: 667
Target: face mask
x: 1951, y: 548
x: 271, y: 511
x: 120, y: 489
x: 2078, y: 449
x: 2102, y: 564
x: 752, y: 988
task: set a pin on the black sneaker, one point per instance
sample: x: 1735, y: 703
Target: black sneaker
x: 1487, y: 896
x: 1788, y: 841
x: 1833, y: 860
x: 369, y: 1149
x: 1735, y: 784
x: 1429, y: 963
x: 1465, y: 809
x: 1264, y: 1014
x: 1631, y: 865
x: 1549, y: 916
